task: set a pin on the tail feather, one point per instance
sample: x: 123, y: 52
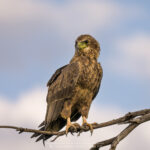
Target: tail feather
x: 44, y: 138
x: 37, y: 134
x: 54, y: 126
x: 42, y: 124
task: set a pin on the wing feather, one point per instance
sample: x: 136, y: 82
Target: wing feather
x: 60, y: 89
x: 100, y: 71
x: 55, y: 75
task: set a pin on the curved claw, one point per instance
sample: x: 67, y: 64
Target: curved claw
x: 79, y: 133
x: 70, y: 126
x: 89, y: 125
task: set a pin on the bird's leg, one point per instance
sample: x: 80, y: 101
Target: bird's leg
x: 69, y: 125
x: 66, y: 113
x: 85, y: 123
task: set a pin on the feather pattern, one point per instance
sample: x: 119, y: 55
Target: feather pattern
x: 60, y: 90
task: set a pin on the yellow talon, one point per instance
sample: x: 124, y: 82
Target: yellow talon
x: 70, y: 125
x: 85, y: 123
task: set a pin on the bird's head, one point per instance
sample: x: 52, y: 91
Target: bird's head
x: 88, y: 46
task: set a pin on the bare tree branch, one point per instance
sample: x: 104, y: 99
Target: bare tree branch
x: 134, y: 119
x: 115, y: 140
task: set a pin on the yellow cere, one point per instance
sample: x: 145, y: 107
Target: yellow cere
x: 82, y: 45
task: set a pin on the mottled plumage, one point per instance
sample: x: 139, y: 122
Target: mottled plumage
x: 73, y: 87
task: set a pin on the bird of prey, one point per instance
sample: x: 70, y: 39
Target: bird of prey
x: 72, y: 88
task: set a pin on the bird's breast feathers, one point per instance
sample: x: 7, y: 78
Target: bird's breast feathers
x: 89, y: 72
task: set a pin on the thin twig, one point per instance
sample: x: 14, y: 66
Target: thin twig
x: 30, y: 130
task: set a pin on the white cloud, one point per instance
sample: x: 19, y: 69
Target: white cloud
x: 69, y: 17
x: 29, y: 111
x: 75, y: 16
x: 29, y: 108
x: 33, y: 28
x: 131, y: 57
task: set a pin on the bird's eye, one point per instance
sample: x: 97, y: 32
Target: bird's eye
x: 86, y: 41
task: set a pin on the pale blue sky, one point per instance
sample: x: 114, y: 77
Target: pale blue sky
x: 37, y: 37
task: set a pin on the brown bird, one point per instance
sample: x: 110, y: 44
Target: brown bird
x: 72, y: 88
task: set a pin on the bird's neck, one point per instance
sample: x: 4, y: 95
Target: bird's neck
x: 77, y: 58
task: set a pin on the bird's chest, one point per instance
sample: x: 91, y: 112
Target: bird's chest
x: 88, y: 75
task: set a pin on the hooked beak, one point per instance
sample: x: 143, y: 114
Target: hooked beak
x: 81, y: 45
